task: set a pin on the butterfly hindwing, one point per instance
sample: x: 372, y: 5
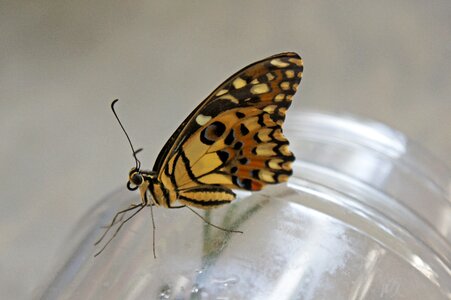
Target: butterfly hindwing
x: 234, y: 138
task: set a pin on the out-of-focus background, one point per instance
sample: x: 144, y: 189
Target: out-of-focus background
x: 63, y: 62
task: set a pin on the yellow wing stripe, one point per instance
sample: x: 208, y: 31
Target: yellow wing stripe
x: 206, y: 196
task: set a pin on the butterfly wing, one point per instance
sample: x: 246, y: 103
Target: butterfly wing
x: 234, y: 139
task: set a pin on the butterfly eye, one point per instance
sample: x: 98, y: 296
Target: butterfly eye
x: 136, y: 179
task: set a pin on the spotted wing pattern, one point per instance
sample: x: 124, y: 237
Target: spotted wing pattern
x: 233, y: 139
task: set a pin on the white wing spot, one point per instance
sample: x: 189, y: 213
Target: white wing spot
x: 270, y: 108
x: 266, y: 175
x: 278, y: 63
x: 269, y: 76
x: 279, y: 97
x: 202, y: 120
x: 296, y: 61
x: 222, y: 92
x: 275, y: 163
x: 239, y: 83
x: 230, y: 98
x: 260, y: 89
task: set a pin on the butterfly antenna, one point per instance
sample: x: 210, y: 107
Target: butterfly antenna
x: 138, y: 163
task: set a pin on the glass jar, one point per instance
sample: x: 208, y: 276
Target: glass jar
x: 366, y: 215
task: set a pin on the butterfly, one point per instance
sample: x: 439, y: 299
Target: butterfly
x: 232, y: 140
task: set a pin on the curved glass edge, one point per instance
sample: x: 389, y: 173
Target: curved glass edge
x: 345, y: 128
x: 389, y: 162
x: 397, y: 161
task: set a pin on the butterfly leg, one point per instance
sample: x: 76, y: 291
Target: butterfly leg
x: 206, y: 197
x: 211, y: 224
x: 115, y: 220
x: 122, y: 212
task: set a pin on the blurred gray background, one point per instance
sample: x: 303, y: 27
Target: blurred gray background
x: 63, y: 62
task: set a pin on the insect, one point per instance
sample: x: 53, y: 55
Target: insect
x: 232, y: 140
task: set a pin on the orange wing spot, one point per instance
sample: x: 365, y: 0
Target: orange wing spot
x: 256, y: 164
x: 289, y: 73
x: 243, y: 173
x: 256, y: 186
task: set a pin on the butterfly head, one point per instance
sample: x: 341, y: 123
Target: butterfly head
x: 135, y: 179
x: 135, y: 176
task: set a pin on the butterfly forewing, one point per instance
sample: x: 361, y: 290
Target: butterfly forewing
x: 234, y: 138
